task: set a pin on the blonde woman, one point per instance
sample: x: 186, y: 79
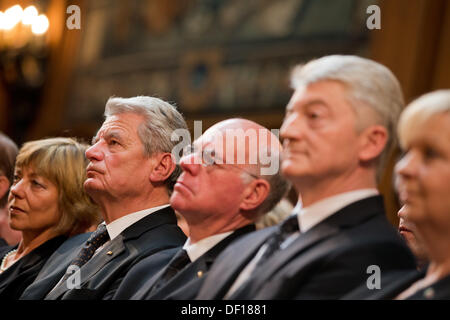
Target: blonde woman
x: 48, y: 204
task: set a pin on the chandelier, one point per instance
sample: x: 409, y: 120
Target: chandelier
x: 23, y: 63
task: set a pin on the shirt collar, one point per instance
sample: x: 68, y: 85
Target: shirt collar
x: 310, y: 216
x: 196, y: 250
x: 117, y: 226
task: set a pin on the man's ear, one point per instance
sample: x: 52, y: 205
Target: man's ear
x: 4, y: 186
x: 164, y: 165
x: 373, y: 141
x: 254, y: 194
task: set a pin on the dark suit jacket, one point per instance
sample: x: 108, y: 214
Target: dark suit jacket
x: 102, y: 274
x: 17, y: 277
x: 55, y: 267
x: 396, y: 283
x: 325, y: 262
x: 184, y: 285
x: 440, y: 290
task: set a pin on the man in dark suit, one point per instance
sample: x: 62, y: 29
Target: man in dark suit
x: 338, y: 126
x: 224, y: 188
x: 130, y: 176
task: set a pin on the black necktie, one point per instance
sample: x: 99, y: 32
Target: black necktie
x: 287, y: 228
x: 178, y: 262
x: 95, y: 241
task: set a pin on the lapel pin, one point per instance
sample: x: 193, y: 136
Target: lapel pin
x: 200, y: 274
x: 109, y: 253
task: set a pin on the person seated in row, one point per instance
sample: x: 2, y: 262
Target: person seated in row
x: 130, y: 176
x: 338, y: 128
x: 8, y: 153
x: 47, y: 204
x: 225, y: 187
x: 424, y: 184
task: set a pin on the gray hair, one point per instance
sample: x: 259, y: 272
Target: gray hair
x: 161, y: 119
x: 420, y: 111
x: 369, y: 83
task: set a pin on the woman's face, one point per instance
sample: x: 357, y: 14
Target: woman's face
x: 32, y: 202
x: 424, y: 173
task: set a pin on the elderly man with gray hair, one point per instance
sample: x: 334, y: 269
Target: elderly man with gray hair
x: 130, y: 176
x: 339, y: 124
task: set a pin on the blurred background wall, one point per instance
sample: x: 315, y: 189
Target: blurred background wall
x: 214, y: 59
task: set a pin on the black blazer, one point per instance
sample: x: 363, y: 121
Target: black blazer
x: 55, y: 267
x: 137, y: 285
x: 396, y: 283
x: 102, y: 274
x: 15, y: 279
x: 326, y: 262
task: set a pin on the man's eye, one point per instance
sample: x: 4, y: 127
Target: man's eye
x: 209, y: 157
x: 114, y: 142
x: 313, y: 115
x: 16, y: 178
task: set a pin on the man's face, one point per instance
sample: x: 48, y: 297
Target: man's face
x: 208, y: 191
x: 320, y: 139
x: 118, y: 167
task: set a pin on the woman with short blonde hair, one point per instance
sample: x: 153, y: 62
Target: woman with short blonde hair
x: 48, y: 204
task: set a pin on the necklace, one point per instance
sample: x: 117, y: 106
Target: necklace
x: 2, y: 266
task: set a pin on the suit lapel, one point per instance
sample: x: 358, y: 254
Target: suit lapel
x: 277, y: 261
x: 232, y: 263
x: 109, y: 252
x: 96, y: 263
x: 197, y: 269
x: 151, y: 221
x: 347, y: 217
x: 115, y: 247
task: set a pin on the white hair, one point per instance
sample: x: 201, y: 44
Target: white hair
x: 161, y: 119
x: 420, y: 111
x: 369, y: 84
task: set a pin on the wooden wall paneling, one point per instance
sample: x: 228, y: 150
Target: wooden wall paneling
x: 408, y: 43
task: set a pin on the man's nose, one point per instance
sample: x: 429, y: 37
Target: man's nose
x: 95, y: 152
x: 191, y: 164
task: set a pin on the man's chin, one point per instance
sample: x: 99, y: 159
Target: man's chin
x: 290, y: 169
x: 92, y: 186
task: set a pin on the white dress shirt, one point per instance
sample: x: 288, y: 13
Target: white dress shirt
x: 308, y: 217
x: 117, y: 226
x: 196, y: 250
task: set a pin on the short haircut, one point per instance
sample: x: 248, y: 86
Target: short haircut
x: 421, y: 110
x: 161, y: 119
x: 8, y: 153
x: 63, y: 162
x: 369, y: 84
